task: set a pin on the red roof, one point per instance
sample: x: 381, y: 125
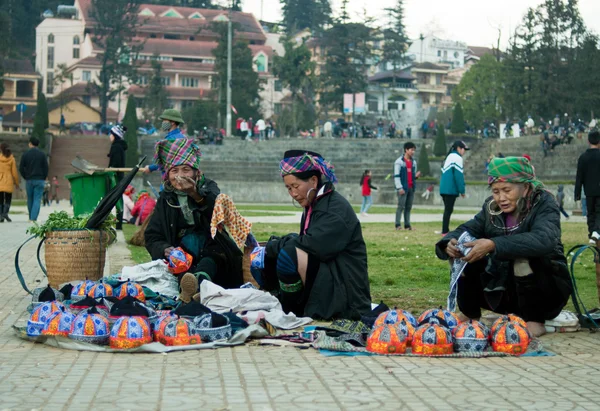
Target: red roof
x: 249, y: 28
x: 181, y: 93
x: 185, y: 48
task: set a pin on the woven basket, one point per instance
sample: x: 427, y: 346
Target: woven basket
x: 75, y: 255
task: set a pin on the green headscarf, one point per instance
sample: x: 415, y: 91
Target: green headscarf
x: 512, y: 170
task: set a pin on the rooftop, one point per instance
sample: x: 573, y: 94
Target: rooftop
x: 18, y: 66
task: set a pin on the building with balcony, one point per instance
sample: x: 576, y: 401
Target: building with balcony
x: 20, y: 85
x: 430, y: 49
x: 430, y: 82
x: 180, y: 38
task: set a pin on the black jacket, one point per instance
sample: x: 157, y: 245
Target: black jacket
x: 588, y: 174
x: 116, y: 155
x: 34, y: 165
x: 334, y: 236
x: 537, y: 239
x: 167, y: 225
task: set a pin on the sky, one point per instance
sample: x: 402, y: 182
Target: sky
x: 475, y: 22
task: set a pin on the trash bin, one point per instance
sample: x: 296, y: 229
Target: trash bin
x: 88, y: 189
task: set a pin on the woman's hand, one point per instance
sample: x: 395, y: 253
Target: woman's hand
x: 452, y: 250
x: 480, y: 248
x: 185, y: 184
x: 168, y: 252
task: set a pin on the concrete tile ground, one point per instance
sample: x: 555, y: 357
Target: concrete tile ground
x: 273, y: 378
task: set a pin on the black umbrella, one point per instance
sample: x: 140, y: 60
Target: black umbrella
x: 111, y: 199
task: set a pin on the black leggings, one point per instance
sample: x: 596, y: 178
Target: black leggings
x: 448, y: 210
x: 5, y: 199
x: 593, y: 214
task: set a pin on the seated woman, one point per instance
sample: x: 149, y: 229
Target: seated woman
x: 517, y: 264
x: 182, y: 218
x: 321, y: 272
x: 143, y: 207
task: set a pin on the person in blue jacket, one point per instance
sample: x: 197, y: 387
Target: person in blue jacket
x: 452, y: 183
x: 171, y: 122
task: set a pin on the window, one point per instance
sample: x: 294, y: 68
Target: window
x: 187, y: 104
x: 192, y: 38
x: 445, y: 54
x: 166, y: 81
x: 373, y: 105
x: 438, y: 79
x: 172, y: 37
x: 142, y: 80
x: 170, y: 104
x: 87, y: 99
x: 147, y: 12
x: 189, y: 82
x: 50, y: 57
x: 50, y: 38
x: 140, y: 101
x: 278, y: 86
x: 152, y: 36
x: 261, y: 63
x: 25, y: 88
x: 456, y: 54
x: 50, y: 83
x: 439, y: 53
x: 86, y: 75
x: 277, y: 108
x: 221, y: 17
x: 171, y: 13
x: 196, y: 15
x: 75, y: 53
x: 76, y: 41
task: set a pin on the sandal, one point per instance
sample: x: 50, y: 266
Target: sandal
x: 189, y: 287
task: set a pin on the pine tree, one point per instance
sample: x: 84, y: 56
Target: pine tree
x: 305, y: 14
x: 131, y: 122
x: 40, y: 120
x: 458, y: 120
x: 395, y: 38
x: 155, y: 94
x: 424, y: 161
x: 440, y: 146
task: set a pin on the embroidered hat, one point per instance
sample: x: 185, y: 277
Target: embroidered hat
x: 403, y: 319
x: 447, y: 317
x: 387, y: 339
x: 158, y: 329
x: 59, y: 323
x: 432, y: 338
x: 101, y: 289
x: 511, y: 337
x: 81, y: 290
x: 471, y: 336
x: 130, y: 288
x: 42, y: 295
x: 505, y: 319
x: 156, y: 320
x: 85, y: 304
x: 40, y: 315
x: 130, y: 332
x: 90, y: 327
x: 213, y: 327
x: 179, y: 261
x: 191, y: 310
x: 180, y: 332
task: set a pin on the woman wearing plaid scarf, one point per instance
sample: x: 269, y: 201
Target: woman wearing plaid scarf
x: 517, y: 264
x: 322, y: 271
x: 182, y: 218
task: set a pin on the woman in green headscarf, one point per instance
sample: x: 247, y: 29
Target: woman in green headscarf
x: 517, y: 262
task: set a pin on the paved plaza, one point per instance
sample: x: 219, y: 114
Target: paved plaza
x: 253, y: 377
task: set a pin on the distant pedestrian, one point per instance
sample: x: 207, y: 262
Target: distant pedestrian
x: 588, y: 177
x: 560, y: 199
x: 405, y: 181
x: 327, y: 129
x: 46, y: 195
x: 9, y: 179
x: 54, y: 190
x: 62, y: 125
x: 34, y: 169
x: 366, y: 185
x: 380, y: 125
x: 261, y: 127
x: 452, y: 182
x: 116, y: 157
x: 244, y: 129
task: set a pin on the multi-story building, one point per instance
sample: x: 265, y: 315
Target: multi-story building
x: 20, y: 85
x: 430, y: 49
x: 180, y: 38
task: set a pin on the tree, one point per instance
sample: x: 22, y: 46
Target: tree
x: 245, y: 82
x: 202, y: 114
x: 348, y: 56
x: 479, y: 90
x: 424, y: 161
x: 155, y: 94
x: 395, y: 38
x: 131, y: 122
x: 61, y: 76
x: 116, y: 22
x: 458, y: 120
x: 40, y: 120
x: 306, y: 14
x: 295, y: 69
x: 440, y: 146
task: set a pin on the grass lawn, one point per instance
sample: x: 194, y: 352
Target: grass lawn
x: 18, y: 203
x: 403, y: 268
x: 138, y: 254
x: 245, y: 209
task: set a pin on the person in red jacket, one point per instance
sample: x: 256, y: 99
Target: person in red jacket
x: 366, y: 185
x: 142, y: 208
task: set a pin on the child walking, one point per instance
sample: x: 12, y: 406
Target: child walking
x: 366, y: 185
x: 560, y: 199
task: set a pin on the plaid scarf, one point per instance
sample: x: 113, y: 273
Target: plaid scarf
x: 306, y: 162
x: 512, y: 170
x: 172, y: 153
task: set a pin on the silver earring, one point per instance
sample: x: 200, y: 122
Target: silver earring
x: 308, y: 193
x: 496, y: 210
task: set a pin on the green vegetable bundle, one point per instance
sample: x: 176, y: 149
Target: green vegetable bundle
x: 60, y: 220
